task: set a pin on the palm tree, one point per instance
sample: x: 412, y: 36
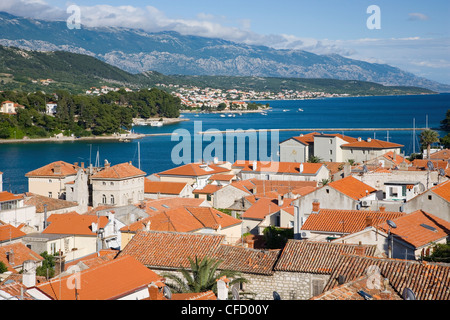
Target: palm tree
x: 427, y: 138
x: 202, y: 277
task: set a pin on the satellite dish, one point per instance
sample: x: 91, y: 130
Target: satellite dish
x: 391, y: 224
x: 408, y: 294
x: 235, y: 293
x: 441, y: 172
x: 167, y: 293
x: 276, y: 296
x: 430, y: 165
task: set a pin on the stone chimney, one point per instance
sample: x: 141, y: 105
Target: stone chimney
x: 29, y: 273
x: 369, y: 221
x: 359, y: 249
x: 316, y: 206
x: 60, y: 264
x: 10, y: 257
x: 147, y: 225
x: 57, y: 169
x: 107, y: 164
x: 280, y: 200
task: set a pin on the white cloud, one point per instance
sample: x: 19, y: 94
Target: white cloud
x: 417, y: 16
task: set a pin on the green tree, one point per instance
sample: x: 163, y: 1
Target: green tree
x: 3, y: 267
x: 47, y: 267
x: 440, y: 253
x: 427, y: 138
x: 314, y: 159
x: 445, y: 141
x: 202, y: 276
x: 276, y: 238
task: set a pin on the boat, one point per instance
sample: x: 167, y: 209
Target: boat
x: 222, y: 115
x: 285, y: 110
x: 300, y: 109
x: 156, y: 124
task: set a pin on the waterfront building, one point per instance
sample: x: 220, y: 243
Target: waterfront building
x: 117, y: 185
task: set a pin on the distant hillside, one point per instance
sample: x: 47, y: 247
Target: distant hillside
x: 137, y: 51
x: 75, y: 72
x: 22, y: 69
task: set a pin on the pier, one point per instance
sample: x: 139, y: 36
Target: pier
x: 314, y: 130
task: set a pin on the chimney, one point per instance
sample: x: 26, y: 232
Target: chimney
x: 147, y: 225
x: 10, y: 257
x: 316, y: 206
x: 75, y: 164
x: 382, y: 209
x: 386, y: 293
x: 94, y: 227
x: 341, y: 279
x: 369, y: 221
x: 359, y: 250
x: 394, y: 156
x: 60, y: 264
x: 369, y: 139
x: 280, y: 200
x: 222, y: 288
x: 57, y: 169
x: 155, y: 292
x: 301, y: 168
x: 29, y: 273
x: 254, y: 165
x: 359, y: 138
x: 250, y: 243
x: 82, y: 165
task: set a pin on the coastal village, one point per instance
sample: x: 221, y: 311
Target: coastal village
x: 296, y: 229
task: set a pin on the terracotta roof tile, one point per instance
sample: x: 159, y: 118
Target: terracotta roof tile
x: 411, y: 229
x: 162, y: 187
x: 74, y: 223
x: 329, y: 220
x: 422, y: 164
x: 443, y: 154
x: 428, y: 281
x: 351, y: 187
x: 208, y: 189
x: 170, y: 249
x: 164, y: 204
x: 8, y: 231
x: 119, y: 171
x: 21, y: 253
x: 316, y: 257
x: 261, y: 208
x: 372, y: 144
x: 443, y: 190
x: 8, y: 196
x: 32, y: 199
x: 246, y: 260
x: 194, y: 169
x: 107, y: 281
x: 222, y: 177
x: 57, y: 169
x: 279, y: 167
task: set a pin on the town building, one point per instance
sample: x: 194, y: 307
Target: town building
x: 117, y: 185
x: 9, y: 107
x: 164, y: 189
x: 15, y: 211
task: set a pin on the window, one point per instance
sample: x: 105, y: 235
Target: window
x: 112, y: 183
x: 112, y: 199
x: 430, y: 197
x: 103, y: 199
x: 50, y: 181
x: 331, y: 151
x: 196, y: 196
x: 208, y: 197
x: 331, y: 141
x: 104, y: 183
x: 50, y: 194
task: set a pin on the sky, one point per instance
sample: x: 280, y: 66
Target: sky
x: 413, y: 35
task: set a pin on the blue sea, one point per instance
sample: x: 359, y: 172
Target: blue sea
x: 155, y: 152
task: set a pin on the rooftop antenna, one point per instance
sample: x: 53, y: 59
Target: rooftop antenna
x: 392, y: 225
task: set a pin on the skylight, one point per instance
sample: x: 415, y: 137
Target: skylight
x: 428, y: 227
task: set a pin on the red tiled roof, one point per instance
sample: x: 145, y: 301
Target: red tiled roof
x: 119, y: 171
x: 261, y: 208
x: 316, y: 257
x: 32, y: 199
x: 21, y: 253
x: 422, y: 164
x: 162, y: 187
x: 428, y: 281
x: 8, y: 231
x: 8, y: 196
x: 195, y: 170
x: 305, y: 139
x: 246, y: 260
x: 443, y: 190
x: 279, y: 167
x: 164, y: 204
x: 398, y: 158
x: 95, y: 259
x: 330, y: 220
x: 66, y: 169
x: 341, y: 136
x: 351, y: 187
x: 74, y: 223
x: 208, y: 189
x: 222, y: 177
x: 443, y: 154
x: 411, y: 230
x: 107, y: 281
x: 372, y: 144
x: 184, y: 219
x: 170, y: 249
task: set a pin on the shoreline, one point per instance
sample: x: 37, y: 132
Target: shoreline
x: 120, y: 137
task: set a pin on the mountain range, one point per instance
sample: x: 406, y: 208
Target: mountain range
x: 170, y: 53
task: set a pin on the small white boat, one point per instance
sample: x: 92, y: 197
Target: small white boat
x: 156, y: 124
x: 300, y: 109
x: 222, y: 115
x: 285, y: 110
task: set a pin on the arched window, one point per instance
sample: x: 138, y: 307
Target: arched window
x: 104, y: 199
x: 112, y: 199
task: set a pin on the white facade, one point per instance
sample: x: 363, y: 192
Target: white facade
x: 52, y: 187
x: 117, y: 192
x: 292, y: 150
